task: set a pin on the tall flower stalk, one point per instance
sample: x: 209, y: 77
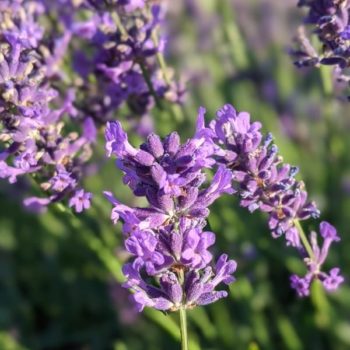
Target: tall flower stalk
x: 170, y: 267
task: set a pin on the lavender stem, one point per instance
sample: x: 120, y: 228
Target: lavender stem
x: 150, y: 85
x: 326, y: 79
x: 161, y: 59
x: 305, y: 241
x: 183, y: 318
x: 183, y: 328
x: 119, y: 23
x: 164, y: 69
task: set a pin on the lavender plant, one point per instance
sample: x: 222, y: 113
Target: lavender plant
x: 118, y: 60
x: 329, y: 20
x: 33, y: 135
x: 264, y: 182
x: 171, y: 267
x: 114, y: 63
x: 166, y: 240
x: 71, y: 67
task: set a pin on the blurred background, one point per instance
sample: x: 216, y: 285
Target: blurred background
x: 59, y: 275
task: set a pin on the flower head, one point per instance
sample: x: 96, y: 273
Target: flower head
x: 33, y: 113
x: 166, y: 240
x: 264, y: 182
x: 329, y: 21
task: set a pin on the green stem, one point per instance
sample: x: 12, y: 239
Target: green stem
x: 161, y: 59
x: 150, y: 85
x: 326, y: 79
x: 303, y: 238
x: 119, y: 24
x: 159, y: 55
x: 183, y: 328
x: 174, y: 109
x: 183, y: 318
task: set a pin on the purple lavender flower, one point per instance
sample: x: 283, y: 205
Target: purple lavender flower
x: 32, y: 112
x: 331, y: 280
x: 166, y: 240
x: 61, y: 181
x: 329, y: 20
x: 36, y: 102
x: 80, y: 201
x: 161, y: 170
x: 263, y: 182
x: 132, y: 5
x: 194, y: 248
x: 198, y: 287
x: 20, y: 21
x: 261, y: 179
x: 301, y: 285
x: 122, y: 68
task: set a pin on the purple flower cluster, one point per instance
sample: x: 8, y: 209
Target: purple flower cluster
x: 330, y: 22
x: 262, y: 179
x: 331, y: 280
x: 32, y: 134
x: 103, y: 52
x: 264, y: 182
x: 170, y: 267
x: 115, y: 60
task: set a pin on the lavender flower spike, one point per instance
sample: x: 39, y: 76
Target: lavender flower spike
x: 264, y: 182
x: 33, y: 137
x: 330, y: 22
x: 170, y: 267
x: 121, y: 39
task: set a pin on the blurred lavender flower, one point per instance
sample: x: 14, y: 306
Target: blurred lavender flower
x: 329, y: 20
x: 33, y: 137
x: 166, y: 239
x: 263, y: 181
x: 116, y: 59
x: 80, y: 200
x: 330, y: 281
